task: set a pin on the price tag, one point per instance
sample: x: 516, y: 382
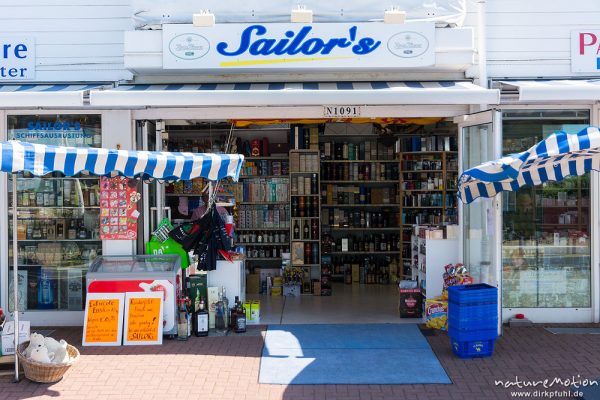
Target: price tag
x: 342, y: 111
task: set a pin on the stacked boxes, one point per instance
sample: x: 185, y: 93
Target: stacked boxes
x: 473, y: 319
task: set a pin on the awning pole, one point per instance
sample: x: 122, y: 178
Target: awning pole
x: 15, y: 273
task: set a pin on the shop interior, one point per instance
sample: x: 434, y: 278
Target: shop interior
x: 325, y: 211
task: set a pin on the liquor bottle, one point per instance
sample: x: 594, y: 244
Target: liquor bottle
x: 307, y: 253
x: 240, y: 320
x: 296, y: 230
x: 82, y: 231
x: 226, y: 307
x: 306, y: 231
x: 37, y: 231
x: 314, y: 229
x: 295, y: 210
x: 45, y: 293
x: 220, y: 315
x: 314, y: 187
x: 301, y: 207
x: 182, y: 320
x: 72, y: 232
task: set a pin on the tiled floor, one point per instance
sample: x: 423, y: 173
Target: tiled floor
x: 349, y: 304
x: 217, y: 368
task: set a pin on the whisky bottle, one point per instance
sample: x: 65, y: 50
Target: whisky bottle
x: 306, y: 231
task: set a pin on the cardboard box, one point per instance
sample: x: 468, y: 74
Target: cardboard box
x: 252, y: 310
x: 411, y: 303
x: 8, y: 334
x: 253, y: 283
x: 213, y: 298
x: 316, y: 288
x: 355, y: 273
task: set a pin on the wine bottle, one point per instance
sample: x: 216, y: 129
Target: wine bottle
x: 296, y: 230
x: 306, y: 231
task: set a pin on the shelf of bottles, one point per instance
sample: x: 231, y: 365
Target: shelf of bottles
x: 428, y: 184
x: 305, y: 232
x: 360, y: 214
x: 263, y: 218
x: 57, y: 239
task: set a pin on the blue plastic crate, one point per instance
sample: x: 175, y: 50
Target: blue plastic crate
x: 470, y: 335
x: 473, y: 311
x: 477, y: 293
x: 473, y: 348
x: 473, y: 324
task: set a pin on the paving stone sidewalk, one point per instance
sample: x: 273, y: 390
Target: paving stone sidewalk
x: 222, y: 368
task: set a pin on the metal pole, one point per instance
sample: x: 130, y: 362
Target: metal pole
x: 15, y: 273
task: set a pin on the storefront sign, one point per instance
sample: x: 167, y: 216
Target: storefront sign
x: 297, y: 47
x: 60, y: 130
x: 341, y: 111
x: 585, y: 51
x: 103, y: 322
x: 118, y: 208
x: 143, y: 322
x: 17, y: 58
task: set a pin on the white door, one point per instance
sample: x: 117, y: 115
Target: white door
x: 479, y: 141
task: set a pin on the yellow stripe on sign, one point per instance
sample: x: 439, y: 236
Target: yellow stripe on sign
x: 278, y: 61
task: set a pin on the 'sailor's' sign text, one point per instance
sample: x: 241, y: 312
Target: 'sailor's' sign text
x: 231, y: 47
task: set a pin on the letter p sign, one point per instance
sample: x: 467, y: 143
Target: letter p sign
x: 585, y: 51
x: 587, y: 39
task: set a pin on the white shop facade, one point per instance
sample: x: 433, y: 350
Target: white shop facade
x: 161, y: 82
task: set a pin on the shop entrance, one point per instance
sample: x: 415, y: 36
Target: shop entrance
x: 325, y: 211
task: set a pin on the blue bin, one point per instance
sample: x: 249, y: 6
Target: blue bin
x: 474, y: 311
x: 469, y: 294
x: 473, y: 348
x: 480, y: 334
x: 472, y: 325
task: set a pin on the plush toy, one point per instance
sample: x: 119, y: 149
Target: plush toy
x: 52, y: 344
x: 61, y: 355
x: 35, y: 340
x: 42, y: 355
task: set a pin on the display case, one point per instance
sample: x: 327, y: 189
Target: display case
x: 139, y: 273
x: 57, y: 239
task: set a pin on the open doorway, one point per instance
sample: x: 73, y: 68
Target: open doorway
x: 325, y: 212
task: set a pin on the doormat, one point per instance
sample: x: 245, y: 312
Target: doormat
x: 574, y: 331
x: 353, y: 354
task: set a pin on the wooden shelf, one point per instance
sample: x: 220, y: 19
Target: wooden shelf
x: 262, y: 229
x: 358, y: 205
x: 306, y: 240
x: 303, y: 172
x: 263, y: 244
x: 362, y: 229
x: 264, y: 259
x: 335, y: 253
x: 264, y: 176
x: 359, y: 161
x: 266, y: 203
x: 266, y: 158
x: 305, y: 195
x: 362, y: 182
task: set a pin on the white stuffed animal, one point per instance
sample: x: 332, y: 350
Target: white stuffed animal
x: 61, y: 355
x: 53, y: 345
x: 35, y: 340
x: 41, y: 354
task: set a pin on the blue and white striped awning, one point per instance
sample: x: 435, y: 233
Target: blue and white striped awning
x: 33, y: 95
x: 291, y: 94
x: 553, y: 159
x: 40, y: 160
x: 556, y: 90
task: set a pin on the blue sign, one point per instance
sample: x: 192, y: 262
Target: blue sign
x: 17, y: 59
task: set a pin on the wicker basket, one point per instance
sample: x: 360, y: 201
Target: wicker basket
x: 45, y: 373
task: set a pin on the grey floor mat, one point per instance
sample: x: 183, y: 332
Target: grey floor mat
x: 574, y: 331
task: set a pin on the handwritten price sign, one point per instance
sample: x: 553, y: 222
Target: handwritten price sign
x: 143, y: 316
x: 103, y: 324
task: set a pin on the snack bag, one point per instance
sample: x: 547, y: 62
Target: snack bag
x: 436, y: 313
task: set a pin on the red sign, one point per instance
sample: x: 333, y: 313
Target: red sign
x: 585, y: 51
x: 118, y: 208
